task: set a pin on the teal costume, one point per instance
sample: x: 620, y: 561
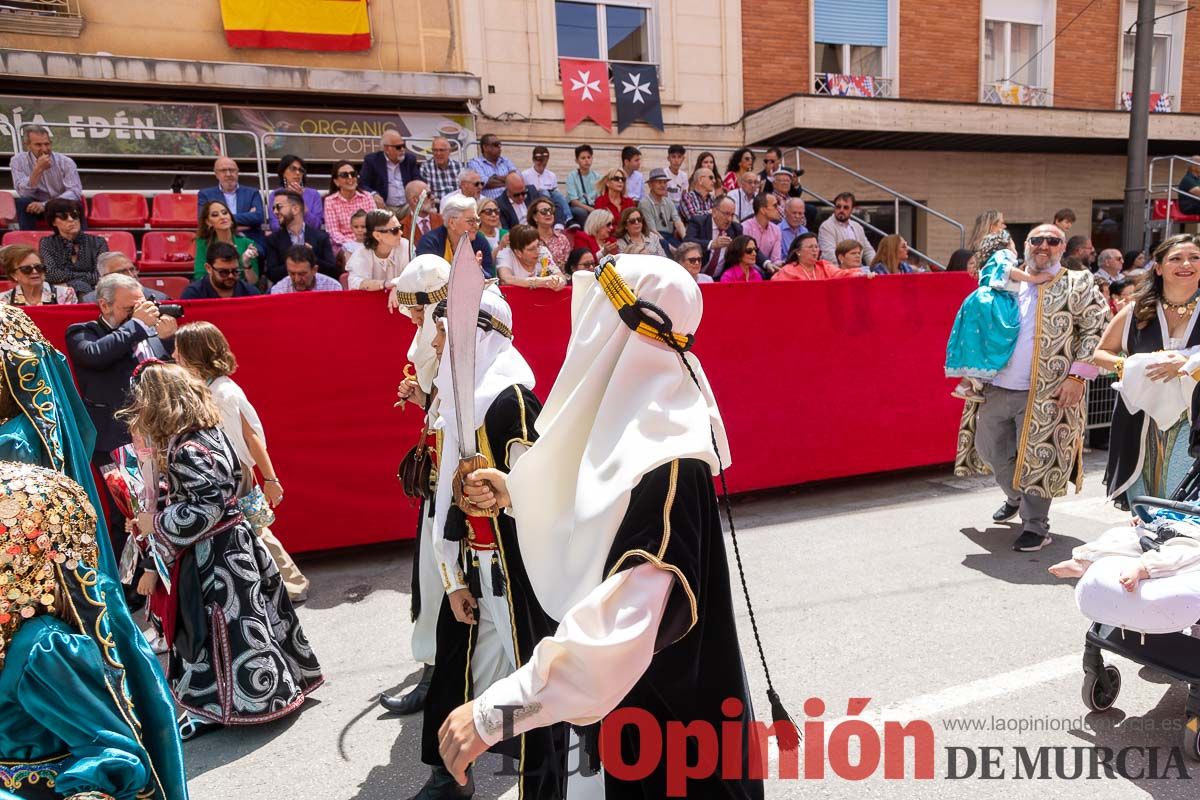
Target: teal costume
x: 43, y: 422
x: 985, y: 330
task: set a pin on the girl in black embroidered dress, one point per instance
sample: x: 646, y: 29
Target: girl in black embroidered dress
x: 238, y: 654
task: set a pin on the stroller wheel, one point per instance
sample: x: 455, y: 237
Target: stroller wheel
x: 1095, y: 696
x: 1191, y: 738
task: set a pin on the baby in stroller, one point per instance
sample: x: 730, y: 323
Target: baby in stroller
x: 1161, y: 546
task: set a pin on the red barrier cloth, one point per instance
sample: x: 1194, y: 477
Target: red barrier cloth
x: 815, y: 380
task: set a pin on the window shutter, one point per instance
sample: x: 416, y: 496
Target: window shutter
x: 851, y: 22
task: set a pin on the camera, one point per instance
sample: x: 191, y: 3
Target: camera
x: 170, y: 310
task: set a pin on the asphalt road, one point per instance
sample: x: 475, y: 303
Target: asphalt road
x: 896, y: 588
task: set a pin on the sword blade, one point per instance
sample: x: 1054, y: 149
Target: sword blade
x: 465, y: 290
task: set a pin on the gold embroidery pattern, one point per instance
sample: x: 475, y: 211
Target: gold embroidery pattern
x: 16, y: 774
x: 1071, y: 316
x: 20, y: 340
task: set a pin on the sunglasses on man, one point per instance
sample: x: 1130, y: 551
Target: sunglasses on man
x: 65, y: 215
x: 226, y: 273
x: 1038, y: 241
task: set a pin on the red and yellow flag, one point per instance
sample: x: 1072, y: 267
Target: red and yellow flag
x: 297, y: 24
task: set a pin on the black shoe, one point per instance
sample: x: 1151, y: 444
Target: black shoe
x: 1005, y: 512
x: 442, y: 786
x: 1030, y: 542
x: 412, y: 702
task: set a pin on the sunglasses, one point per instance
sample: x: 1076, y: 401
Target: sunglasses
x: 395, y: 229
x: 351, y: 174
x: 545, y: 210
x: 393, y: 147
x: 616, y: 179
x: 490, y: 211
x: 632, y: 220
x: 693, y: 259
x: 30, y: 269
x: 226, y: 273
x: 1037, y: 241
x: 750, y: 251
x: 67, y: 215
x: 518, y: 194
x: 478, y: 184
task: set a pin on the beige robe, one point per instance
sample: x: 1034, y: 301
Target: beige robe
x: 1071, y: 315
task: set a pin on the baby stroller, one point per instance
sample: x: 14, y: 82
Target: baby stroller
x: 1175, y: 654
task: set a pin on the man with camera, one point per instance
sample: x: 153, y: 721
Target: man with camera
x: 104, y: 353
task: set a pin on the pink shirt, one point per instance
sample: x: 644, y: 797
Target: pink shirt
x: 821, y: 272
x: 736, y: 274
x: 770, y: 238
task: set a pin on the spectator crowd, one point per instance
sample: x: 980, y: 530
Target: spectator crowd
x: 527, y: 227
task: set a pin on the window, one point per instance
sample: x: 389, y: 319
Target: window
x: 1166, y: 62
x: 608, y: 31
x: 42, y: 17
x: 852, y: 40
x: 1159, y: 69
x: 1010, y: 53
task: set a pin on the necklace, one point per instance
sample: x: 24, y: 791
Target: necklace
x: 1182, y: 309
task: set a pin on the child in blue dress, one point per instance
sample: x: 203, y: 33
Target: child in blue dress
x: 985, y: 330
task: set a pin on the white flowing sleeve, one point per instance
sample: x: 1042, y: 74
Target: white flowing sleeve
x: 601, y: 648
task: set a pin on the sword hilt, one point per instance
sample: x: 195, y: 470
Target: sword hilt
x: 465, y: 467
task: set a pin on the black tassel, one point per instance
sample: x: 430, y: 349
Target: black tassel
x: 456, y: 525
x: 473, y: 577
x: 786, y: 732
x: 499, y: 588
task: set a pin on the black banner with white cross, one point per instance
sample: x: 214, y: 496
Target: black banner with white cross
x: 637, y: 95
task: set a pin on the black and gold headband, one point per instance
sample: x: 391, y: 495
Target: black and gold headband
x: 486, y: 321
x: 423, y: 298
x: 633, y: 312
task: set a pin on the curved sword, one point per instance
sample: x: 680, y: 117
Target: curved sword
x: 464, y: 293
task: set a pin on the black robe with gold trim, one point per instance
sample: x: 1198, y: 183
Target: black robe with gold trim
x: 673, y: 523
x: 509, y: 421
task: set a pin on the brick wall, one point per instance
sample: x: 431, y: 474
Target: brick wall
x: 1190, y: 80
x: 939, y: 50
x: 1087, y: 55
x: 768, y: 28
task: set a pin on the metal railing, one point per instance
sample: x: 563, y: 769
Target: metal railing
x: 835, y: 85
x: 1100, y: 399
x: 1015, y: 94
x: 897, y: 198
x: 1168, y: 191
x: 48, y: 17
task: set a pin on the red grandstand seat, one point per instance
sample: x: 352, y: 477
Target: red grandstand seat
x: 168, y: 251
x: 119, y: 241
x: 118, y: 210
x: 174, y: 211
x: 8, y: 209
x: 172, y: 286
x: 30, y: 238
x: 5, y: 286
x: 1159, y: 211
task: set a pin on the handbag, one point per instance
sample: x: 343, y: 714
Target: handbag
x: 416, y: 469
x: 256, y: 509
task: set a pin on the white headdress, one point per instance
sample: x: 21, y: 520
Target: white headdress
x: 423, y: 283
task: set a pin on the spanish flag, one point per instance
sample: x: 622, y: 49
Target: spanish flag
x: 297, y: 24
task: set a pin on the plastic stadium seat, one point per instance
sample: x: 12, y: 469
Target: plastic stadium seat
x: 1159, y: 211
x: 118, y: 210
x: 174, y: 211
x: 5, y: 286
x: 172, y: 286
x: 8, y: 209
x: 30, y: 238
x: 119, y: 241
x: 168, y: 251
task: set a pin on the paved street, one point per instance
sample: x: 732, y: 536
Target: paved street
x: 895, y: 588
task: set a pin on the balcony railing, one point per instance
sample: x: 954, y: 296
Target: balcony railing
x: 1159, y: 103
x: 1015, y: 94
x: 43, y: 17
x: 835, y: 85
